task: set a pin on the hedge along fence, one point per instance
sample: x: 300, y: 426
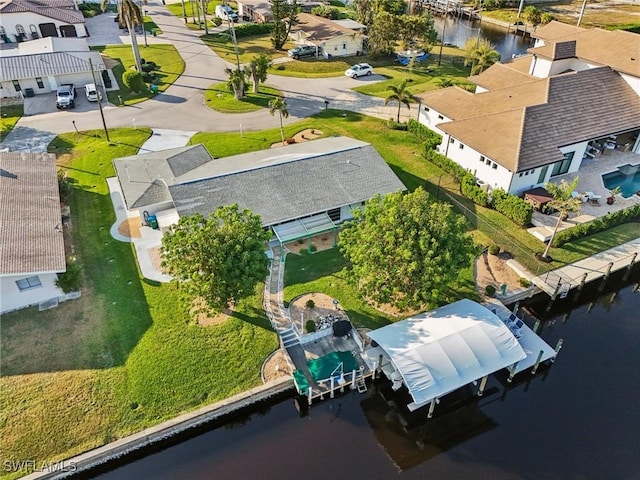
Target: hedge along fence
x: 248, y: 29
x: 431, y: 138
x: 512, y: 206
x: 508, y: 204
x: 597, y: 225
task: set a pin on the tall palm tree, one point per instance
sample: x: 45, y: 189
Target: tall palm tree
x: 129, y: 17
x: 480, y: 54
x: 563, y: 201
x: 236, y: 81
x: 259, y: 68
x: 401, y: 95
x: 279, y: 105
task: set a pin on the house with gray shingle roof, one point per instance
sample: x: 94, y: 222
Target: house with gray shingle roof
x: 31, y: 240
x: 523, y: 127
x: 45, y: 64
x: 24, y: 20
x: 298, y: 188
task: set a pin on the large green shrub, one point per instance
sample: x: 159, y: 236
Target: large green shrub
x: 310, y: 326
x: 473, y: 192
x: 444, y: 163
x: 512, y: 206
x: 70, y: 280
x: 325, y: 11
x: 247, y: 29
x: 133, y: 80
x: 431, y: 138
x: 597, y: 225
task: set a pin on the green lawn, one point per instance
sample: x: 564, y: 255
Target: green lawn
x: 9, y: 116
x: 248, y: 47
x: 150, y: 25
x: 170, y: 67
x: 125, y: 355
x: 192, y: 12
x: 219, y: 98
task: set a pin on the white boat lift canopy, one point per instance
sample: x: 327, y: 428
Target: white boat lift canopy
x: 440, y: 351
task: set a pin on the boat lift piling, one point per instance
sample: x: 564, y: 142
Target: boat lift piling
x: 607, y: 272
x: 558, y: 347
x: 483, y: 384
x: 630, y: 267
x: 537, y: 364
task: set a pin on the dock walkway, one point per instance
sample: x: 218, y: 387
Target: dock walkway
x: 600, y: 265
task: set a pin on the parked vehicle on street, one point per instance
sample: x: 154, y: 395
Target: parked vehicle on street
x: 66, y: 96
x: 359, y: 70
x: 225, y: 12
x: 92, y: 93
x: 303, y: 51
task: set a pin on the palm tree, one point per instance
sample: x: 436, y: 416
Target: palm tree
x: 563, y: 201
x: 401, y: 95
x: 259, y: 68
x: 480, y: 54
x: 236, y: 81
x: 279, y: 105
x: 130, y: 16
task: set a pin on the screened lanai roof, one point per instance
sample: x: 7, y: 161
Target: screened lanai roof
x: 304, y: 227
x: 440, y: 351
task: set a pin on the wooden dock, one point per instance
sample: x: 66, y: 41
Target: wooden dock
x: 560, y: 281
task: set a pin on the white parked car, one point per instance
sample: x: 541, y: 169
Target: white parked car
x: 359, y: 70
x: 92, y: 92
x: 225, y: 12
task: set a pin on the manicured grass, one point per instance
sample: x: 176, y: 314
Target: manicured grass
x: 425, y: 76
x: 170, y: 67
x: 8, y: 119
x: 219, y: 98
x: 150, y: 25
x: 248, y: 47
x: 192, y: 12
x: 125, y: 355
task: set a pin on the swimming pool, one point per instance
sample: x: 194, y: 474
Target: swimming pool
x: 627, y: 177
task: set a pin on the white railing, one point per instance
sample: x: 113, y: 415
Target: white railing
x: 311, y: 337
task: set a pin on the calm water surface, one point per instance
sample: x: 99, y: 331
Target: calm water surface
x: 579, y: 419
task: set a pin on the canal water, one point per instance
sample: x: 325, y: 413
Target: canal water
x: 458, y: 31
x: 577, y: 419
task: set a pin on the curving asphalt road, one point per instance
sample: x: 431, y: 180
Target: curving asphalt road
x: 181, y: 106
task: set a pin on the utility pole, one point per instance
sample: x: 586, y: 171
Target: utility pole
x: 184, y: 12
x: 104, y: 124
x: 584, y: 6
x: 204, y: 17
x: 235, y: 41
x: 444, y: 26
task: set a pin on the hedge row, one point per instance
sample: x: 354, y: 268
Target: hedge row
x: 512, y: 206
x: 247, y: 29
x: 444, y: 163
x: 597, y: 225
x: 431, y: 138
x: 472, y: 191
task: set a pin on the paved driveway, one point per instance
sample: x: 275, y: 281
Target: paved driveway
x: 182, y: 106
x: 46, y: 103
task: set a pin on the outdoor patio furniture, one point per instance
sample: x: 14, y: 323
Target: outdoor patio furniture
x: 592, y: 198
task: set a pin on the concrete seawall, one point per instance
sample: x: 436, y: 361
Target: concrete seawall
x: 162, y: 431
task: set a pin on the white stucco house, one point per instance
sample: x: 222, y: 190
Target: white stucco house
x: 24, y: 20
x: 44, y: 64
x: 533, y: 118
x: 31, y: 239
x: 333, y: 39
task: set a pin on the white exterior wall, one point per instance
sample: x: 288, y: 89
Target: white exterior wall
x: 480, y: 89
x: 153, y: 209
x: 11, y: 298
x: 576, y: 161
x: 634, y: 82
x: 469, y: 159
x: 10, y: 20
x: 526, y: 180
x: 343, y: 46
x: 540, y: 67
x: 431, y: 118
x: 78, y: 79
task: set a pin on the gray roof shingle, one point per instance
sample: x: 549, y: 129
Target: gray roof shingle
x: 61, y: 10
x: 18, y: 67
x: 29, y: 215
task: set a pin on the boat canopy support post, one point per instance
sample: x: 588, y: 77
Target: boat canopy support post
x: 483, y: 384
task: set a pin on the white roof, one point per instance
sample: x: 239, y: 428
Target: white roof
x: 440, y: 351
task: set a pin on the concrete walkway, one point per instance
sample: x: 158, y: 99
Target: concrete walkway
x: 570, y: 276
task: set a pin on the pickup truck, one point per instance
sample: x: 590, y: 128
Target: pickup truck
x: 66, y: 96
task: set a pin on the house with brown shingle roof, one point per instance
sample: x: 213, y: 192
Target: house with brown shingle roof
x: 24, y: 20
x: 521, y: 128
x: 334, y: 39
x: 31, y: 240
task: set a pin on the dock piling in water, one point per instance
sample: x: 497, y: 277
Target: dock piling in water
x: 537, y: 364
x: 558, y: 347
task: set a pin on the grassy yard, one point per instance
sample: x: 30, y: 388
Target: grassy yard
x: 248, y: 47
x: 125, y: 355
x: 219, y: 98
x: 9, y: 116
x: 170, y: 67
x: 150, y: 25
x: 191, y: 9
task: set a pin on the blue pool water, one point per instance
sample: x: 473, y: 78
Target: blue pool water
x: 626, y: 177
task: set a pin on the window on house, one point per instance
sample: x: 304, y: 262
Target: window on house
x: 20, y: 30
x: 520, y: 174
x: 526, y: 173
x: 494, y: 166
x: 39, y: 82
x: 334, y: 214
x: 487, y: 161
x: 562, y: 167
x: 452, y: 140
x: 426, y: 109
x: 440, y: 117
x: 461, y: 146
x: 28, y: 283
x: 16, y: 85
x: 482, y: 158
